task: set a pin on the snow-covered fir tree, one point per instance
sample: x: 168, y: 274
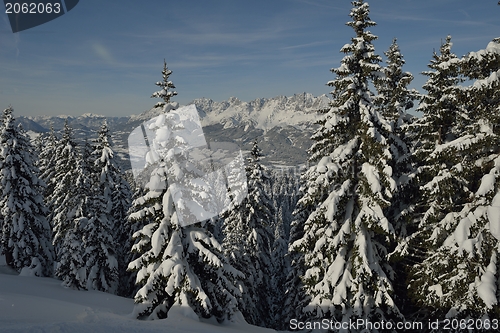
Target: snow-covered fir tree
x: 345, y: 242
x: 393, y: 100
x: 120, y: 202
x: 284, y: 190
x: 295, y: 297
x: 248, y: 241
x: 176, y: 263
x: 444, y: 116
x: 47, y: 162
x: 25, y: 231
x: 281, y: 269
x: 286, y: 281
x: 127, y: 285
x: 394, y: 97
x: 459, y: 278
x: 70, y: 211
x: 66, y: 157
x: 139, y: 215
x: 133, y: 224
x: 100, y: 232
x: 443, y: 189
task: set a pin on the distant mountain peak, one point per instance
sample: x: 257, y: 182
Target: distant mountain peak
x: 92, y: 115
x: 263, y: 113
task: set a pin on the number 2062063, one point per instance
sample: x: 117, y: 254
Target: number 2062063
x: 32, y: 8
x: 471, y: 324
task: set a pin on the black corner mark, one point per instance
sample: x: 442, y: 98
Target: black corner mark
x: 70, y: 4
x: 26, y: 14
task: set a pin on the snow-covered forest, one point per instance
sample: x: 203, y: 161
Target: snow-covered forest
x: 395, y: 218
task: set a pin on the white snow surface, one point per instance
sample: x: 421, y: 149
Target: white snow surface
x: 487, y: 287
x: 494, y: 216
x: 437, y: 289
x: 33, y: 304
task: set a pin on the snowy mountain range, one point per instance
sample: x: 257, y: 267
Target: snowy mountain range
x: 282, y: 125
x: 298, y: 110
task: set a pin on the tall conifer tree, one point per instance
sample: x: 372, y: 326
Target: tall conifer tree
x: 442, y: 188
x: 176, y: 264
x: 99, y: 242
x: 459, y: 277
x: 248, y: 243
x: 25, y: 232
x: 70, y: 213
x: 345, y: 241
x: 393, y: 100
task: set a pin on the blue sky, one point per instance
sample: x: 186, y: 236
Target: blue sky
x: 104, y: 56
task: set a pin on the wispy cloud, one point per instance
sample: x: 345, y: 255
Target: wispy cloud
x: 212, y: 37
x: 102, y: 52
x: 306, y: 45
x: 439, y: 20
x: 224, y: 59
x: 228, y: 32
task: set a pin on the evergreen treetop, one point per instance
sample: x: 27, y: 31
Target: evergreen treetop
x: 166, y: 92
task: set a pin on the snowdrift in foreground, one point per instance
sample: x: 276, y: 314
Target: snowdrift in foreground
x: 32, y: 304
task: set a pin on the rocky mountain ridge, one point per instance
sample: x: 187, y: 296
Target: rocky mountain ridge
x: 282, y: 125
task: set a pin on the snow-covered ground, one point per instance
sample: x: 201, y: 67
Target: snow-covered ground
x: 32, y: 304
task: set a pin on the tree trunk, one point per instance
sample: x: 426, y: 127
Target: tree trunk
x: 9, y: 258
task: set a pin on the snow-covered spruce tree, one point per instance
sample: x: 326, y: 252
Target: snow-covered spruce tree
x: 394, y: 97
x: 70, y: 211
x: 100, y: 232
x: 459, y: 279
x: 127, y: 285
x: 442, y: 186
x: 284, y: 196
x: 443, y: 121
x: 346, y: 236
x: 296, y: 298
x: 136, y: 221
x: 248, y: 241
x: 47, y: 163
x: 123, y: 234
x: 145, y: 209
x: 25, y: 232
x: 281, y: 269
x: 441, y: 161
x: 63, y: 180
x: 393, y: 100
x: 177, y: 263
